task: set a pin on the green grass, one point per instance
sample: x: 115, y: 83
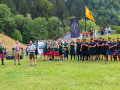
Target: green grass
x: 60, y: 75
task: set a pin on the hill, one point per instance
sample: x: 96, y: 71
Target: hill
x: 9, y: 42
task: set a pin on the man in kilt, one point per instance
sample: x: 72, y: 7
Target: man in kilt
x: 72, y: 48
x: 113, y: 48
x: 92, y: 46
x: 118, y: 48
x: 79, y: 53
x: 2, y: 56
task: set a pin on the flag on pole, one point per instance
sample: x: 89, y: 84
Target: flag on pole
x: 89, y: 14
x: 75, y: 32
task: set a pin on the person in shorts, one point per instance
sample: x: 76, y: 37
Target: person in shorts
x: 31, y: 50
x: 17, y: 48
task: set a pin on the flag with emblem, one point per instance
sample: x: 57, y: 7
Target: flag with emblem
x: 89, y: 14
x: 75, y: 32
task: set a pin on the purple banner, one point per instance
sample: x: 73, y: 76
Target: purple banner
x: 75, y: 32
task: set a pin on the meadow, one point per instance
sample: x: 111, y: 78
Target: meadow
x: 60, y: 75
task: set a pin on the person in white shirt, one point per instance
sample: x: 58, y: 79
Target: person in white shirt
x: 106, y: 31
x: 31, y: 50
x: 109, y: 30
x: 94, y: 32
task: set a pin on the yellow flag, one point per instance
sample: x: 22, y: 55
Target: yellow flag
x: 89, y: 14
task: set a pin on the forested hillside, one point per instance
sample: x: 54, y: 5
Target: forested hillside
x: 35, y: 18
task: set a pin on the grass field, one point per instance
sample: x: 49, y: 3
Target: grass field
x: 60, y: 75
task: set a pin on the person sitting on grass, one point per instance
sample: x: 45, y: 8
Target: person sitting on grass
x: 31, y: 50
x: 17, y: 48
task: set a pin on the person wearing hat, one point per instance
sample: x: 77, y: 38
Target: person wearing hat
x: 101, y: 48
x: 2, y: 56
x: 84, y: 49
x: 113, y: 48
x: 72, y: 48
x: 118, y: 48
x: 92, y: 46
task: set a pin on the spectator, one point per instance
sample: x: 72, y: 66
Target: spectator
x: 83, y: 33
x: 102, y: 31
x: 91, y: 32
x: 109, y: 30
x: 106, y: 31
x: 86, y: 33
x: 94, y: 32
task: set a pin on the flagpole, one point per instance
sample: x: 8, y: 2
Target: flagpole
x: 85, y: 20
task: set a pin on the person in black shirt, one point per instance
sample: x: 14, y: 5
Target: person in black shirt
x: 108, y: 51
x: 96, y: 48
x: 118, y: 48
x: 104, y: 52
x: 101, y: 47
x: 78, y: 49
x: 92, y: 46
x: 84, y: 49
x: 113, y: 48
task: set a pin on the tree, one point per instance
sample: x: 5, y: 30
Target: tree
x: 17, y: 35
x: 89, y: 25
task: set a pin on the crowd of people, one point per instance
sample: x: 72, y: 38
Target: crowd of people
x: 93, y: 32
x: 95, y: 49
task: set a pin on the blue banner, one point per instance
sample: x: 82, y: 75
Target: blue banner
x: 75, y: 32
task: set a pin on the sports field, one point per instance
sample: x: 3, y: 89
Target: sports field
x: 60, y: 75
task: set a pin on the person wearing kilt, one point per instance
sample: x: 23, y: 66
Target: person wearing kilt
x: 56, y: 51
x: 72, y: 48
x: 36, y: 51
x: 79, y: 53
x: 50, y: 51
x: 92, y: 46
x: 104, y: 52
x: 118, y: 48
x: 2, y: 56
x: 45, y: 53
x: 96, y: 48
x: 101, y: 48
x: 113, y: 48
x: 84, y: 49
x: 61, y: 49
x: 17, y: 48
x: 108, y: 51
x: 66, y: 46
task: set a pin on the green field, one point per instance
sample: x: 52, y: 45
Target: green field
x: 60, y: 75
